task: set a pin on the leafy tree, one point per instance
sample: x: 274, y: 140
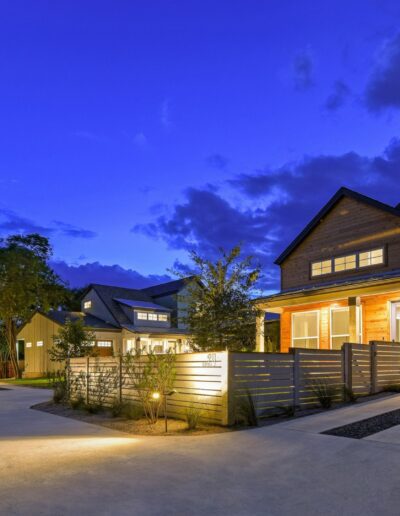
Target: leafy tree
x: 73, y: 340
x: 219, y: 310
x: 27, y: 283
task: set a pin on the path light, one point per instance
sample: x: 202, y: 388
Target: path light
x: 166, y: 394
x: 155, y: 396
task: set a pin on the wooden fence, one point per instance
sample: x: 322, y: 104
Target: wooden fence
x: 219, y: 383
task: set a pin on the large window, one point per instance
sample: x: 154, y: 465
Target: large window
x: 340, y: 326
x: 305, y: 330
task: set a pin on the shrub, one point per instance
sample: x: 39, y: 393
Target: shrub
x: 132, y: 411
x: 246, y: 411
x: 58, y: 383
x: 193, y: 416
x: 395, y: 387
x: 77, y: 403
x: 324, y: 392
x: 59, y: 394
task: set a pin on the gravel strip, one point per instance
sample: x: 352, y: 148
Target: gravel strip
x: 366, y: 427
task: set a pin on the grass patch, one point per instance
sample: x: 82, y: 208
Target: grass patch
x: 39, y: 383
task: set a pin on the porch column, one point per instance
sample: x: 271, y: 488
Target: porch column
x: 354, y: 303
x: 260, y: 332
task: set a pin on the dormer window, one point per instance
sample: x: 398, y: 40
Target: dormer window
x: 142, y: 316
x: 152, y: 317
x: 87, y: 305
x: 348, y: 262
x: 163, y: 317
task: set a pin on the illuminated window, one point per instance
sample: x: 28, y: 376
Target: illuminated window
x: 305, y: 330
x: 152, y: 317
x: 374, y: 257
x: 340, y: 332
x: 28, y: 344
x: 163, y: 317
x: 142, y: 316
x: 345, y: 263
x: 104, y: 343
x: 39, y: 343
x: 87, y: 304
x: 320, y: 268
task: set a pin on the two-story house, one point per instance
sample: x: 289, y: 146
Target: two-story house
x: 122, y: 320
x: 340, y: 277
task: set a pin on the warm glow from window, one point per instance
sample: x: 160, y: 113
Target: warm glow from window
x: 345, y: 263
x: 39, y: 343
x: 142, y: 316
x: 305, y: 330
x: 152, y: 317
x: 374, y: 257
x: 163, y: 317
x: 28, y: 344
x: 87, y: 304
x: 320, y: 268
x: 104, y: 343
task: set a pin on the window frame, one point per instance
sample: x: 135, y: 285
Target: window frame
x: 344, y: 256
x: 87, y: 304
x: 324, y: 273
x: 140, y: 315
x: 103, y: 341
x: 292, y: 338
x: 372, y: 264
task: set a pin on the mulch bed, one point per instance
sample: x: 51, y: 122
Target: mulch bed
x: 130, y: 426
x: 366, y: 427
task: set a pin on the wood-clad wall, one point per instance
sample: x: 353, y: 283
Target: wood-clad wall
x: 375, y: 316
x: 351, y: 226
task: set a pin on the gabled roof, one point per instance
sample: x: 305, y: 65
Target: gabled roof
x: 108, y: 294
x: 342, y: 192
x: 171, y: 287
x: 142, y: 304
x: 61, y: 317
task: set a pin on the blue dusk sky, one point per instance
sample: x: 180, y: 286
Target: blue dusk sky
x: 134, y: 131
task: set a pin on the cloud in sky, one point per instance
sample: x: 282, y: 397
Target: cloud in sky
x: 95, y: 272
x: 303, y: 70
x: 338, y: 96
x: 217, y: 161
x: 282, y: 201
x: 383, y: 87
x: 11, y: 222
x: 140, y: 139
x: 165, y: 115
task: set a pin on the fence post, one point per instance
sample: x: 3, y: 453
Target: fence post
x: 296, y: 377
x: 227, y: 388
x: 87, y: 380
x: 373, y: 355
x: 348, y: 365
x: 120, y: 378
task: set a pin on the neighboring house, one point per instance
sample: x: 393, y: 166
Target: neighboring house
x: 122, y: 319
x: 340, y: 278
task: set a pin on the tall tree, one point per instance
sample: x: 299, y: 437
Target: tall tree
x: 27, y: 283
x: 219, y: 310
x: 73, y: 340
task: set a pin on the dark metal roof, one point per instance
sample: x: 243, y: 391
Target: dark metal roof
x: 142, y: 304
x: 354, y: 280
x: 61, y: 317
x: 171, y: 287
x: 342, y: 192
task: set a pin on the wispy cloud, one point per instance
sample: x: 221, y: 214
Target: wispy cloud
x: 140, y: 139
x: 338, y: 96
x: 165, y: 115
x: 303, y: 70
x: 217, y: 161
x: 74, y: 231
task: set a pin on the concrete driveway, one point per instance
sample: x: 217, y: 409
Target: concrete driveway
x: 51, y: 465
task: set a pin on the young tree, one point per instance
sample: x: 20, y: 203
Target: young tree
x: 220, y: 313
x: 26, y: 283
x: 73, y: 340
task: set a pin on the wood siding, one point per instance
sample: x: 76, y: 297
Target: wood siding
x: 351, y: 226
x: 375, y: 317
x: 41, y: 328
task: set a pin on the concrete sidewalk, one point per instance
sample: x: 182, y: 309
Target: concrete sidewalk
x: 55, y: 466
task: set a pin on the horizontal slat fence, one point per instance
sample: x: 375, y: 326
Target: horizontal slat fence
x: 219, y: 383
x: 200, y: 382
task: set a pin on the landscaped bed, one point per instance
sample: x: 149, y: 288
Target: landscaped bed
x: 132, y: 426
x: 366, y: 427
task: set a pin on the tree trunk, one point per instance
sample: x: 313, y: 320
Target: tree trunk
x: 11, y: 337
